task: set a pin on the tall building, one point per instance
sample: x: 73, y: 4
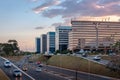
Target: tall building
x: 38, y: 45
x: 62, y: 37
x: 50, y: 42
x: 93, y: 34
x: 43, y: 43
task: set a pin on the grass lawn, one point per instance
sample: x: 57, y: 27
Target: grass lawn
x: 107, y: 57
x: 80, y: 64
x: 14, y: 58
x: 3, y: 76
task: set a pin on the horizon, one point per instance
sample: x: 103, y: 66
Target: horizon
x: 25, y: 20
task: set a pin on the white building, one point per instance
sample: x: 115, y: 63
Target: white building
x: 62, y: 37
x: 93, y: 33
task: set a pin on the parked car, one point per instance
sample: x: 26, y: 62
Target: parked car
x: 97, y: 58
x: 17, y: 73
x: 7, y: 64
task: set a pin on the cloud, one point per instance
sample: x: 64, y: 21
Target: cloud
x: 74, y: 8
x: 56, y: 24
x: 46, y: 5
x: 65, y: 23
x: 69, y: 9
x: 39, y: 28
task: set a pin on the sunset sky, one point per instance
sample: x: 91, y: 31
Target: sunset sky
x: 24, y: 20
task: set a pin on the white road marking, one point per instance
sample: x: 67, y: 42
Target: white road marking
x: 19, y: 69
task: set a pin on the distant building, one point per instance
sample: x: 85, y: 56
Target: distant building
x: 38, y: 45
x: 93, y: 34
x: 50, y: 42
x: 43, y: 43
x: 62, y: 37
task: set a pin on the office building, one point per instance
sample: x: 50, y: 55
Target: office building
x: 93, y: 34
x: 38, y: 45
x: 62, y: 37
x: 43, y: 43
x: 50, y: 42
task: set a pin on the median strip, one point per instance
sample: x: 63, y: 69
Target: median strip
x: 3, y: 76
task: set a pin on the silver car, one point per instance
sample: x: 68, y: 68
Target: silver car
x: 7, y: 64
x: 38, y: 69
x: 97, y: 58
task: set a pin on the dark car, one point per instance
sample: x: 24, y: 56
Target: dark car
x: 38, y: 62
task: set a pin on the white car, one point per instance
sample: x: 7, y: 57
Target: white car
x: 38, y: 69
x: 17, y: 73
x: 97, y: 57
x: 7, y: 64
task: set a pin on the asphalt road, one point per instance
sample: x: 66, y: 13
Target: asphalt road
x: 43, y: 75
x: 9, y: 72
x: 80, y: 75
x: 90, y: 58
x: 49, y: 72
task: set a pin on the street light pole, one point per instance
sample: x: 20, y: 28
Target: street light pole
x: 76, y: 75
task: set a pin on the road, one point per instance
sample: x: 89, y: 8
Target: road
x: 90, y: 58
x: 61, y: 74
x: 51, y: 73
x: 31, y: 71
x: 9, y: 72
x: 71, y: 74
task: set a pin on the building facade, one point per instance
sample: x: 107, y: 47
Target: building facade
x: 43, y: 43
x: 93, y: 34
x: 50, y: 42
x: 62, y: 37
x: 38, y: 45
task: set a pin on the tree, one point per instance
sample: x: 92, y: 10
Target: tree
x: 57, y: 51
x: 14, y: 44
x: 7, y: 48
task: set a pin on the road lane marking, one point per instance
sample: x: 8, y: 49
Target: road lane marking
x: 91, y: 74
x: 19, y: 69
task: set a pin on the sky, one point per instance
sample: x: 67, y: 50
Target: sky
x: 24, y: 20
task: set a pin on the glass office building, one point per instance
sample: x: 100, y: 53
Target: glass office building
x: 50, y: 42
x: 38, y: 45
x: 62, y: 37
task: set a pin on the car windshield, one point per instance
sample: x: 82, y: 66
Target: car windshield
x: 7, y: 62
x: 17, y: 71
